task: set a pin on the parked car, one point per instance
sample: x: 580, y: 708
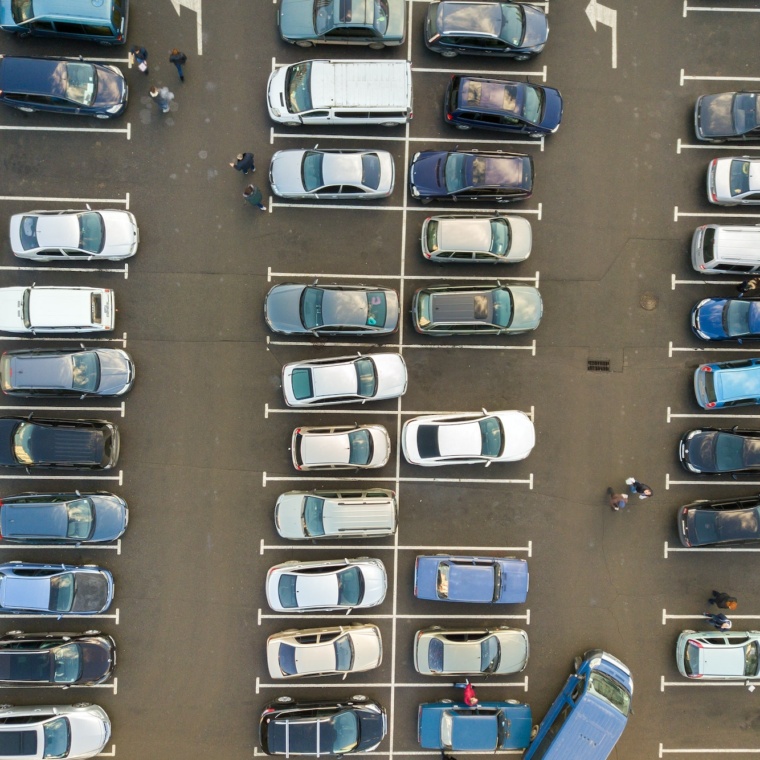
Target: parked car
x: 734, y: 181
x: 376, y: 23
x: 341, y: 447
x: 488, y: 727
x: 56, y: 659
x: 728, y: 521
x: 110, y: 235
x: 73, y: 732
x: 435, y: 440
x: 326, y: 585
x: 465, y: 239
x: 502, y: 105
x: 511, y: 30
x: 295, y: 309
x: 39, y: 442
x: 725, y: 384
x: 727, y: 116
x: 459, y: 175
x: 331, y: 651
x: 34, y: 589
x: 710, y: 451
x: 477, y: 309
x: 66, y: 372
x: 726, y: 319
x: 719, y: 655
x: 322, y: 728
x: 77, y: 518
x: 470, y: 651
x: 346, y: 513
x: 486, y: 580
x: 51, y: 309
x: 343, y: 380
x: 62, y: 86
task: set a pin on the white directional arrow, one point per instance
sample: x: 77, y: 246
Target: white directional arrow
x: 603, y: 15
x: 192, y: 5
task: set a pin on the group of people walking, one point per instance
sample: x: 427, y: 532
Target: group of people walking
x: 161, y: 96
x: 619, y: 501
x: 244, y: 163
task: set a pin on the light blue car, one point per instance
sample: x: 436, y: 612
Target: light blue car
x: 735, y: 383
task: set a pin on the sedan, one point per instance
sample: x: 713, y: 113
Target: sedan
x: 719, y: 655
x: 484, y: 580
x: 710, y: 451
x: 727, y: 116
x: 294, y: 309
x: 322, y: 728
x: 80, y: 444
x: 469, y: 652
x: 56, y: 659
x: 344, y: 380
x: 333, y: 651
x: 476, y: 309
x: 343, y: 447
x: 66, y: 372
x: 493, y: 177
x: 724, y: 384
x: 33, y: 589
x: 109, y: 235
x: 730, y: 521
x: 435, y: 440
x: 326, y: 585
x: 62, y: 518
x: 726, y: 319
x: 734, y: 181
x: 332, y: 174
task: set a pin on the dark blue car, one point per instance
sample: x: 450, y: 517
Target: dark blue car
x: 726, y: 319
x: 485, y: 580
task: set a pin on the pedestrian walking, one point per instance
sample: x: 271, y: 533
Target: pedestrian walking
x: 748, y: 286
x: 718, y: 621
x: 254, y: 196
x: 618, y: 501
x: 162, y: 97
x: 723, y: 601
x: 243, y: 163
x: 179, y: 59
x: 642, y: 489
x: 139, y: 55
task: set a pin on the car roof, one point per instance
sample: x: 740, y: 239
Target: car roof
x: 474, y: 731
x: 480, y: 94
x: 461, y: 438
x: 25, y: 593
x: 66, y: 9
x: 60, y: 307
x: 737, y: 382
x: 328, y: 448
x: 57, y: 230
x: 41, y: 371
x: 334, y: 380
x: 720, y: 658
x: 38, y: 76
x: 471, y: 582
x: 473, y: 234
x: 474, y: 18
x: 462, y: 306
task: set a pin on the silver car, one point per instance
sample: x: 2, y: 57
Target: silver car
x: 451, y: 651
x: 719, y: 655
x: 71, y: 235
x: 342, y: 447
x: 734, y: 181
x: 337, y: 650
x: 332, y: 174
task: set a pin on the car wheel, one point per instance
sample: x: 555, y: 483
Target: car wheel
x: 461, y: 126
x: 304, y: 43
x: 5, y: 707
x: 284, y: 700
x: 25, y: 109
x: 23, y: 35
x: 293, y: 124
x: 91, y: 633
x: 389, y: 124
x: 522, y: 57
x: 82, y: 704
x: 449, y: 54
x: 533, y: 732
x: 376, y: 46
x: 513, y: 701
x: 535, y: 135
x: 446, y: 701
x: 717, y: 142
x: 14, y: 633
x: 101, y: 116
x: 425, y: 201
x: 358, y: 698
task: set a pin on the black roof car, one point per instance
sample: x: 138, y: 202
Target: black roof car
x: 710, y: 451
x: 722, y: 521
x: 37, y: 442
x: 727, y: 116
x: 322, y: 728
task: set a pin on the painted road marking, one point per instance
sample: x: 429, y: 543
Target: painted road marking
x: 672, y: 349
x: 695, y: 8
x: 722, y: 214
x: 45, y: 199
x: 357, y: 344
x: 502, y: 72
x: 401, y: 278
x: 24, y: 547
x: 305, y: 545
x: 685, y: 77
x: 423, y: 208
x: 65, y: 616
x: 112, y: 753
x: 78, y: 339
x: 18, y: 476
x: 113, y: 130
x: 721, y: 751
x: 120, y: 407
x: 192, y: 5
x: 710, y: 146
x: 670, y: 549
x: 293, y: 616
x: 675, y: 281
x: 381, y: 685
x: 403, y: 753
x: 327, y: 410
x: 666, y: 616
x: 598, y: 13
x: 695, y: 482
x: 704, y: 415
x: 124, y: 271
x: 698, y: 682
x: 291, y: 478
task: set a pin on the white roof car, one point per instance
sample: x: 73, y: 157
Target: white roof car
x: 487, y: 437
x: 110, y: 234
x: 344, y: 447
x: 344, y: 380
x: 56, y: 309
x: 719, y: 655
x: 326, y: 585
x: 731, y: 181
x: 338, y: 650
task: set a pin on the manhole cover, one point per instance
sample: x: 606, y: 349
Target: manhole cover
x: 648, y: 302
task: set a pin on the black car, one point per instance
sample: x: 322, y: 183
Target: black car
x: 471, y: 176
x: 37, y: 442
x: 727, y: 116
x: 62, y: 86
x: 56, y: 659
x: 322, y: 728
x: 512, y: 30
x: 62, y: 518
x: 712, y: 451
x: 719, y: 522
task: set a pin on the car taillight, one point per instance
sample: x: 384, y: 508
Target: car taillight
x: 710, y: 405
x: 706, y: 369
x: 449, y: 117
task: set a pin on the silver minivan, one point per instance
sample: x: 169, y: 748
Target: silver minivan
x: 726, y: 249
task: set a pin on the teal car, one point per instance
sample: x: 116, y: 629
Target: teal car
x: 722, y: 384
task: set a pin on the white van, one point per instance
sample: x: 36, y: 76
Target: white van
x: 341, y: 92
x: 726, y: 249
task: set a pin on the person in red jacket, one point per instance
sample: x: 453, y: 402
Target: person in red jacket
x: 470, y: 699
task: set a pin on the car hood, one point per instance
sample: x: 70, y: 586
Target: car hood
x: 391, y: 370
x: 97, y: 660
x: 288, y: 512
x: 536, y: 27
x: 372, y: 728
x: 367, y: 649
x: 514, y: 581
x: 116, y: 371
x: 522, y: 238
x: 528, y: 307
x: 714, y: 115
x: 375, y: 583
x: 11, y: 304
x: 7, y: 428
x: 282, y: 308
x: 111, y: 517
x: 121, y: 233
x: 427, y: 173
x: 88, y: 734
x: 296, y: 18
x: 519, y: 434
x: 285, y: 172
x: 111, y: 88
x: 513, y: 646
x: 709, y: 317
x: 552, y: 115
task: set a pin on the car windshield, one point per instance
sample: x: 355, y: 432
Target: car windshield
x: 381, y: 16
x: 68, y: 663
x: 28, y: 232
x: 745, y: 111
x: 376, y: 308
x: 442, y: 580
x: 300, y: 380
x: 311, y: 170
x: 360, y: 443
x: 25, y: 308
x: 298, y: 87
x: 366, y: 379
x: 513, y: 23
x: 286, y: 590
x: 92, y: 232
x: 612, y: 692
x: 729, y: 451
x: 455, y: 172
x: 503, y: 307
x: 371, y: 170
x: 57, y: 738
x: 534, y: 103
x: 432, y: 235
x: 739, y: 177
x: 81, y: 519
x: 22, y: 10
x: 350, y: 586
x: 346, y: 727
x: 22, y: 443
x: 62, y: 592
x: 85, y: 372
x: 323, y: 15
x: 423, y: 309
x: 344, y: 654
x: 311, y: 308
x: 500, y: 236
x: 491, y: 438
x: 750, y: 659
x: 312, y: 516
x: 447, y: 728
x: 736, y: 318
x: 691, y: 658
x: 80, y: 83
x: 489, y: 655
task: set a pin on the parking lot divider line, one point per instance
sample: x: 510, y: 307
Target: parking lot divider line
x: 697, y: 549
x: 720, y: 10
x: 713, y: 148
x: 486, y: 73
x: 703, y: 683
x: 45, y: 199
x: 721, y: 214
x: 299, y: 546
x: 722, y: 750
x: 394, y: 277
x: 388, y: 685
x: 716, y: 349
x: 669, y: 616
x: 90, y: 270
x: 665, y: 552
x: 18, y: 476
x: 678, y: 146
x: 705, y: 415
x: 56, y: 547
x: 722, y: 79
x: 713, y: 482
x: 113, y: 130
x: 63, y: 408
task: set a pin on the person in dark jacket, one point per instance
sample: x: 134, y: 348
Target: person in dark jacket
x: 748, y: 286
x: 243, y: 163
x: 140, y: 56
x: 723, y: 601
x: 718, y: 621
x: 179, y: 59
x: 642, y: 489
x: 254, y: 196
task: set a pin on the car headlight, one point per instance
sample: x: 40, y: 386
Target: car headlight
x: 115, y: 109
x: 275, y: 111
x: 415, y: 192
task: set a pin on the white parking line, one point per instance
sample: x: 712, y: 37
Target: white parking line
x: 292, y: 616
x: 670, y: 549
x: 666, y: 616
x: 422, y: 208
x: 357, y: 479
x: 18, y: 476
x: 356, y: 344
x: 487, y: 73
x: 709, y: 348
x: 711, y: 482
x: 721, y: 750
x: 24, y: 547
x: 400, y: 278
x: 113, y: 686
x: 382, y: 685
x: 711, y: 146
x: 114, y: 617
x: 692, y: 682
x: 120, y: 407
x: 58, y: 339
x: 51, y: 199
x: 113, y: 130
x: 112, y: 753
x: 685, y: 77
x: 326, y: 410
x: 299, y: 546
x: 124, y: 271
x: 705, y: 415
x: 722, y: 214
x: 405, y: 753
x: 695, y: 8
x: 712, y: 282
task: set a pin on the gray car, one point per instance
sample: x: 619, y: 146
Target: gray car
x: 734, y: 181
x: 719, y: 655
x: 727, y: 116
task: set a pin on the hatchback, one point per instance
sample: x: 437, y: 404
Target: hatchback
x: 734, y: 181
x: 711, y: 452
x: 726, y: 521
x: 723, y: 384
x: 719, y: 655
x: 341, y: 447
x: 726, y: 319
x: 727, y: 116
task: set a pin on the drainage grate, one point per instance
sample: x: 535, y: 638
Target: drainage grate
x: 598, y: 365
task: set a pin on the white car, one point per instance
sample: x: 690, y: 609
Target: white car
x: 326, y: 585
x: 56, y: 310
x: 344, y: 380
x: 733, y: 181
x: 342, y: 447
x: 719, y: 655
x: 338, y: 650
x: 71, y: 235
x: 435, y: 440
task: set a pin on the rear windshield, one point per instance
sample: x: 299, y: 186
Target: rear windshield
x: 301, y: 382
x: 92, y: 232
x: 708, y: 245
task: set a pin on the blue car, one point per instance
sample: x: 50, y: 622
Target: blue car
x: 490, y: 726
x: 726, y: 319
x: 735, y: 383
x: 485, y: 580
